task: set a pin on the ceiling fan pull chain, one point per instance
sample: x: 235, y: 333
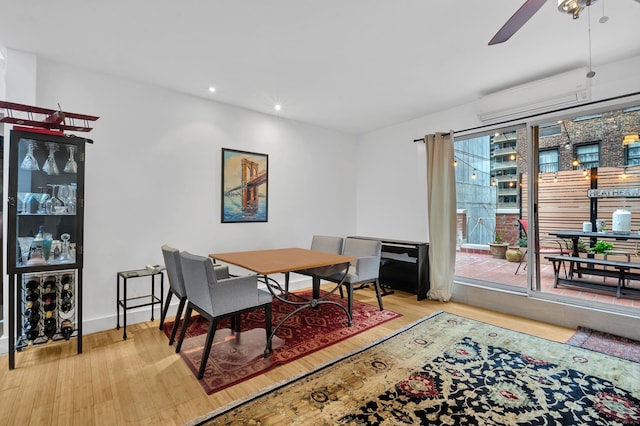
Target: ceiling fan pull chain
x: 591, y: 72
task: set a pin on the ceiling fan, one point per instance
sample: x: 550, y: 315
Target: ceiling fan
x: 529, y: 8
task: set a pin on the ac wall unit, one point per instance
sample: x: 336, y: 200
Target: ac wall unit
x: 561, y: 90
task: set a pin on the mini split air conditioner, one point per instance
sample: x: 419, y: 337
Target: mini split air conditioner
x: 561, y: 90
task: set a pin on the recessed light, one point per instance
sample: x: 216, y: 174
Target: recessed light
x: 212, y: 89
x: 278, y: 107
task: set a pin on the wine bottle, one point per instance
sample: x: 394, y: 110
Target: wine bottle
x: 32, y: 296
x: 50, y: 327
x: 32, y: 306
x: 32, y: 314
x: 66, y: 306
x: 32, y: 334
x: 32, y: 284
x: 65, y: 293
x: 30, y: 325
x: 49, y: 301
x: 49, y: 284
x: 66, y: 328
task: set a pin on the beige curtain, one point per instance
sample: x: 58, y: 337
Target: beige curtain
x: 441, y: 199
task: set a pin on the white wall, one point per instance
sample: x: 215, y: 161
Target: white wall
x: 153, y: 177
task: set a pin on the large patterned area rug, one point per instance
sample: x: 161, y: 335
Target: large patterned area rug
x: 235, y: 358
x: 606, y: 343
x: 450, y: 370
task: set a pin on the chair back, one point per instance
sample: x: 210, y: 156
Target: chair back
x: 174, y: 270
x: 198, y: 274
x: 358, y: 247
x: 327, y: 244
x: 524, y: 224
x: 367, y: 252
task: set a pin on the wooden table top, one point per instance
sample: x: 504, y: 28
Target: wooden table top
x: 275, y: 261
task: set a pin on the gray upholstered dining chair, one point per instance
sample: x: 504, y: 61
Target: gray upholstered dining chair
x: 327, y: 244
x: 364, y: 270
x: 215, y: 299
x: 173, y: 264
x: 176, y: 287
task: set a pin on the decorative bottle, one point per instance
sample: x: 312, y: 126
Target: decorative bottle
x: 37, y: 255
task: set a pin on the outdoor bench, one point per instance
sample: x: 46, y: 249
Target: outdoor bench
x: 622, y: 271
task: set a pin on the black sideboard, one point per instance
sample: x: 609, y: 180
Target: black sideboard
x: 404, y: 265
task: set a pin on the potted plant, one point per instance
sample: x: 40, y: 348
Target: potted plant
x: 601, y: 247
x: 498, y: 246
x: 514, y: 253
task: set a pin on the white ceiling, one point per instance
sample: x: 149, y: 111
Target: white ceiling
x: 350, y: 65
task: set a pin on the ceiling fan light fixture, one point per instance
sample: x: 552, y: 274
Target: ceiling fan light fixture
x: 574, y: 7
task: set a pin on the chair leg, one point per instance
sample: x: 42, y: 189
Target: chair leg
x: 207, y: 347
x: 177, y: 320
x: 521, y: 261
x: 236, y: 323
x: 341, y: 294
x: 165, y: 309
x: 185, y: 322
x: 286, y: 285
x: 378, y: 293
x: 267, y: 327
x: 350, y: 300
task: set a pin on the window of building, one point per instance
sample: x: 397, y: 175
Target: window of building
x: 588, y: 155
x: 548, y: 160
x: 586, y: 117
x: 550, y: 129
x: 632, y: 154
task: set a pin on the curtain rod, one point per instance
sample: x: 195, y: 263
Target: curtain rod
x: 484, y: 126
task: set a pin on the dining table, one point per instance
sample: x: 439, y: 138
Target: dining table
x: 315, y: 263
x: 575, y: 235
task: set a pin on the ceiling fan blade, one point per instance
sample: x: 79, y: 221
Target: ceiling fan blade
x: 522, y: 15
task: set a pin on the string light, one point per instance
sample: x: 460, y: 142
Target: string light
x: 624, y: 173
x: 555, y: 178
x: 473, y: 175
x: 575, y: 163
x: 455, y: 163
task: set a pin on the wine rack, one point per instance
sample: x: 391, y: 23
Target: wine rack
x: 48, y: 308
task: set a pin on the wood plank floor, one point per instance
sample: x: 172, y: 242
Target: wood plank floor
x: 143, y: 381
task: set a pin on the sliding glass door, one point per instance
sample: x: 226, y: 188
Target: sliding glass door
x: 560, y: 162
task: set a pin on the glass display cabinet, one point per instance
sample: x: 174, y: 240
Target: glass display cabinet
x: 45, y: 238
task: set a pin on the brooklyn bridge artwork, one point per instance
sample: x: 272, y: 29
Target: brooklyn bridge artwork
x: 244, y: 186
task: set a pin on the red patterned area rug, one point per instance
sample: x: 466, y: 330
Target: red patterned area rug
x: 451, y: 370
x: 606, y: 343
x: 237, y: 358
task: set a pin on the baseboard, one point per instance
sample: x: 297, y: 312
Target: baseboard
x: 549, y: 311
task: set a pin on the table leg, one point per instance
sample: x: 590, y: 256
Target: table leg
x: 153, y: 294
x: 118, y: 301
x: 315, y: 287
x: 124, y: 309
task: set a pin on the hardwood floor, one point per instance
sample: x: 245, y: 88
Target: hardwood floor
x: 143, y: 381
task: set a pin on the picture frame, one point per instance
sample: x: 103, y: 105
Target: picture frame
x: 245, y: 184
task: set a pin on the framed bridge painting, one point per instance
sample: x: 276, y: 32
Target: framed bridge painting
x: 244, y: 186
